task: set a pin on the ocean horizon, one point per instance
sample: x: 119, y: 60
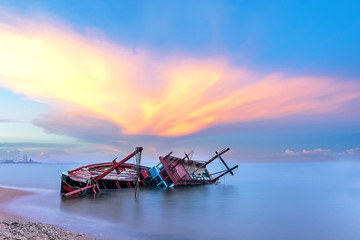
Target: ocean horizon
x: 313, y: 200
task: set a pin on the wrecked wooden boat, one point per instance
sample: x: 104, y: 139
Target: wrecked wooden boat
x: 170, y: 172
x: 109, y: 175
x: 175, y: 171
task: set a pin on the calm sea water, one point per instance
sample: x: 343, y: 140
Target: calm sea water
x: 262, y: 201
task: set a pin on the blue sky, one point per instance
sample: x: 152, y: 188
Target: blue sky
x: 310, y: 45
x: 263, y: 33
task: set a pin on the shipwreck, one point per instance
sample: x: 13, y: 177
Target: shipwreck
x: 170, y: 172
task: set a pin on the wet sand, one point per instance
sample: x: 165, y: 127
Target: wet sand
x: 7, y: 195
x: 16, y: 227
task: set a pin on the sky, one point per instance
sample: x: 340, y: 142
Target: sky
x: 86, y: 81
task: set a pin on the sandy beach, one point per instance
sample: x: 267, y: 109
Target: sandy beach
x: 16, y: 227
x: 7, y: 195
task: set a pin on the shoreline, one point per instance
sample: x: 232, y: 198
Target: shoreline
x: 6, y: 196
x: 13, y: 226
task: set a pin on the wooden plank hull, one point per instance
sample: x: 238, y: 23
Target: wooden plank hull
x: 183, y: 172
x: 171, y: 171
x: 80, y: 177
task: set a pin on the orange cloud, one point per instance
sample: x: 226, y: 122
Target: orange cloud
x: 143, y: 94
x: 111, y: 149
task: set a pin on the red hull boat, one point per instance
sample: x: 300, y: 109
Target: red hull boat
x: 171, y: 171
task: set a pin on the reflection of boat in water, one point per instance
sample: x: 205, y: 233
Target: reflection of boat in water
x: 171, y: 171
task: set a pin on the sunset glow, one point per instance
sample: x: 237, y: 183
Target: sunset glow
x: 88, y: 75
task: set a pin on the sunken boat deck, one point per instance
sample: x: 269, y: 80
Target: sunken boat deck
x: 123, y: 177
x: 125, y: 173
x: 184, y: 172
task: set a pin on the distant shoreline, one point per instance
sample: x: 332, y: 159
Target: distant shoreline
x: 18, y: 162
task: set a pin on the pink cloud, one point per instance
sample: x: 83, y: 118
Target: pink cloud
x: 351, y: 151
x: 91, y: 76
x: 289, y: 152
x: 320, y: 151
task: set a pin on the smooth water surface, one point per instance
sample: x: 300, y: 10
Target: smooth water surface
x: 262, y: 201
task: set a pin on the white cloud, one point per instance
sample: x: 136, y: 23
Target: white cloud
x: 289, y: 152
x: 351, y: 151
x: 323, y: 153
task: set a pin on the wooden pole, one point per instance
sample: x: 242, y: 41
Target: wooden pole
x: 227, y: 167
x: 215, y: 179
x: 137, y: 150
x: 212, y: 159
x: 79, y: 190
x: 138, y: 161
